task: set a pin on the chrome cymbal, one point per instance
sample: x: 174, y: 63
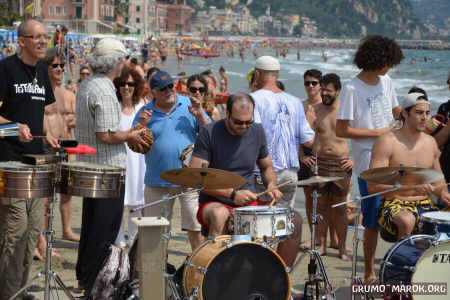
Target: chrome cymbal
x: 208, y: 178
x: 315, y: 180
x: 402, y: 174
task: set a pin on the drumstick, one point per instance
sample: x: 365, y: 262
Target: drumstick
x: 274, y: 188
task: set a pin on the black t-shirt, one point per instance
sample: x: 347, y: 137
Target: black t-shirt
x: 23, y: 102
x: 444, y: 109
x: 237, y: 154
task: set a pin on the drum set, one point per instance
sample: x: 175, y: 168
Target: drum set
x: 421, y: 258
x: 44, y: 177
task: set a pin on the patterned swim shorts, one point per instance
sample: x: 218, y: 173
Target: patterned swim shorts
x: 390, y: 208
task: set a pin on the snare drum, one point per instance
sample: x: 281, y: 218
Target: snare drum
x: 222, y: 270
x: 263, y: 221
x: 433, y: 222
x: 186, y: 155
x: 90, y: 180
x: 417, y: 259
x: 20, y: 180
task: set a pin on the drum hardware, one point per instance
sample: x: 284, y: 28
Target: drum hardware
x: 164, y: 199
x: 355, y: 279
x: 274, y: 188
x: 52, y: 279
x: 314, y: 280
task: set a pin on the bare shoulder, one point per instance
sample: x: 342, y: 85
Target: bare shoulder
x: 429, y: 141
x: 69, y: 95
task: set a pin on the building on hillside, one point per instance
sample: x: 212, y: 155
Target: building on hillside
x: 179, y: 18
x: 86, y: 16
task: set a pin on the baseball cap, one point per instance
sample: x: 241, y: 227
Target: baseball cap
x: 413, y: 99
x: 110, y: 46
x: 160, y: 80
x: 267, y: 63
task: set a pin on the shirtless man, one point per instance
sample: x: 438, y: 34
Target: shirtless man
x: 59, y: 120
x: 333, y: 160
x: 399, y: 212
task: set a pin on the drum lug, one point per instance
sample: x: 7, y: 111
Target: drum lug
x: 245, y: 228
x: 103, y: 179
x: 274, y: 230
x: 212, y: 239
x: 288, y: 270
x: 229, y: 245
x: 255, y: 231
x: 200, y: 269
x: 194, y: 293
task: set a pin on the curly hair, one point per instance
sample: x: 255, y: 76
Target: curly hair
x: 376, y: 52
x: 138, y: 89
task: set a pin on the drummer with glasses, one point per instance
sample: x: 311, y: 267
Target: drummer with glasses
x: 399, y: 213
x: 234, y: 144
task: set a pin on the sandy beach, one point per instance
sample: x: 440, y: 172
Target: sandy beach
x: 338, y: 271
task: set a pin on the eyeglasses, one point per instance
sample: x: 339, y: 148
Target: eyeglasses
x: 240, y: 122
x: 169, y: 86
x: 85, y: 73
x: 54, y: 66
x: 37, y: 37
x: 313, y: 83
x: 129, y: 83
x: 194, y: 90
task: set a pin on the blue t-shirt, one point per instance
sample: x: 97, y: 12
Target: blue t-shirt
x: 234, y: 153
x: 172, y: 133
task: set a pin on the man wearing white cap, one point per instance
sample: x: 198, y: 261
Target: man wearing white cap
x: 399, y: 212
x: 284, y: 122
x: 98, y: 120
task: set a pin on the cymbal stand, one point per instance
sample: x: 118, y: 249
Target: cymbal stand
x: 355, y: 279
x: 315, y: 279
x: 52, y: 280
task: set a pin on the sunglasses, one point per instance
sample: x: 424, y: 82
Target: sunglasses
x: 194, y: 90
x: 85, y: 73
x: 239, y: 122
x: 54, y: 66
x: 169, y: 86
x: 313, y: 83
x: 129, y: 83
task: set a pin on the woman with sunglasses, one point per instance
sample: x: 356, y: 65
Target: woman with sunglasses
x: 130, y: 86
x: 198, y: 89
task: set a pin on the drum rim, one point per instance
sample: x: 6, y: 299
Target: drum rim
x: 37, y: 169
x: 250, y: 210
x: 228, y: 238
x: 396, y: 246
x: 432, y: 220
x: 72, y: 167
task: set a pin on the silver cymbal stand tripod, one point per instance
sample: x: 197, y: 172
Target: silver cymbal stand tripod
x: 52, y: 280
x: 315, y: 279
x: 355, y: 279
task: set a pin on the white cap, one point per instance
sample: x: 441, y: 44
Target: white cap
x: 413, y: 99
x: 110, y: 46
x: 267, y: 63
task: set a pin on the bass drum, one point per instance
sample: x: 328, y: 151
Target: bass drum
x: 222, y: 270
x: 417, y: 259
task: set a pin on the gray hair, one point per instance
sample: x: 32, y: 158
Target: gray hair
x: 103, y: 64
x: 52, y: 53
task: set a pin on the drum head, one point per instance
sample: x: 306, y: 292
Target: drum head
x: 439, y: 217
x: 261, y: 210
x: 87, y: 166
x: 433, y: 267
x: 20, y: 166
x: 245, y: 271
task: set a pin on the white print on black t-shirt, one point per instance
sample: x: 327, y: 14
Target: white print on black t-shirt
x: 29, y: 88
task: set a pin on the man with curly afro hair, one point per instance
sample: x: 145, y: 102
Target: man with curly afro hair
x: 368, y: 106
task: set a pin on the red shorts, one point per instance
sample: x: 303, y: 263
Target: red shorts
x: 201, y: 207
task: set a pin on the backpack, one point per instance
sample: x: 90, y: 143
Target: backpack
x: 115, y: 270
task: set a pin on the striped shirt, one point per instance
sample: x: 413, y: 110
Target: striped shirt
x: 98, y: 110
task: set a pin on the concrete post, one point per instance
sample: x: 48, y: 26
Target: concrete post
x: 151, y: 257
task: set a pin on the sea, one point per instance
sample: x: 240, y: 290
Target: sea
x: 430, y: 70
